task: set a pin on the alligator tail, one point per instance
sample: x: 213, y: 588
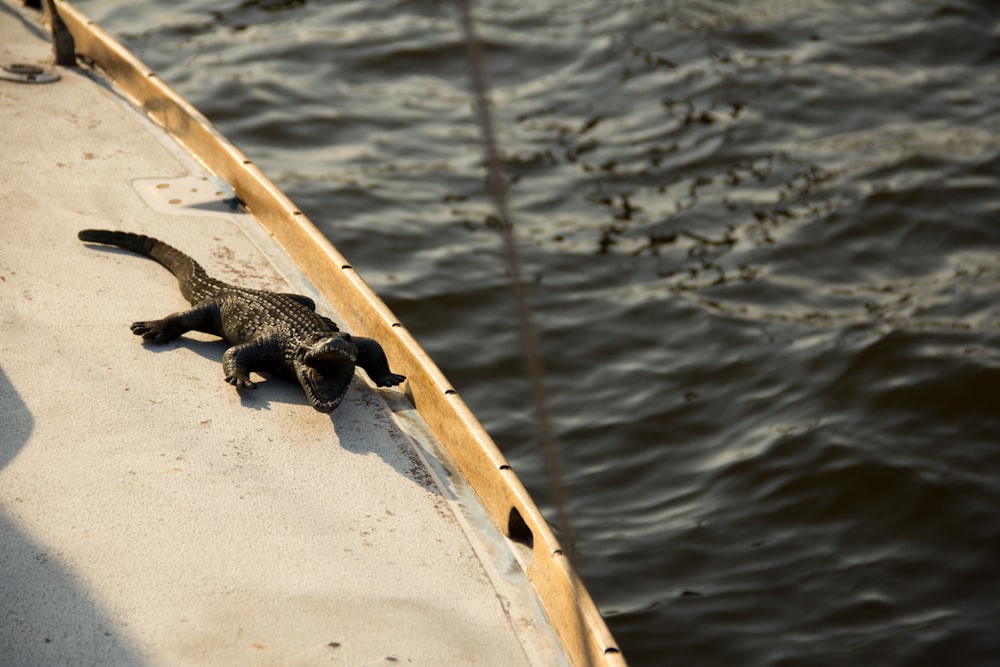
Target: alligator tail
x: 195, y: 284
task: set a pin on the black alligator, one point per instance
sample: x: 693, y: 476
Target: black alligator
x: 268, y: 331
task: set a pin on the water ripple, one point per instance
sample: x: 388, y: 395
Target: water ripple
x: 763, y: 249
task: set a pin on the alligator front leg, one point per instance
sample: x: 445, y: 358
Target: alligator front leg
x: 371, y: 357
x: 239, y: 360
x: 204, y: 317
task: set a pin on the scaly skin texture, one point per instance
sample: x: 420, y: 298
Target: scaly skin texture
x: 268, y: 331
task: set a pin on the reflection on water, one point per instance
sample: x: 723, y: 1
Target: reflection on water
x: 763, y: 242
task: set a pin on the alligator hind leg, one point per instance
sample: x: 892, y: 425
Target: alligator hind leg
x: 204, y: 317
x: 239, y: 360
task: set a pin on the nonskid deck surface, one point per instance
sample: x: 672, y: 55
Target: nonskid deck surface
x: 150, y: 514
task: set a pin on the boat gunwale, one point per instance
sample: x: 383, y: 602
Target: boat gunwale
x: 571, y: 611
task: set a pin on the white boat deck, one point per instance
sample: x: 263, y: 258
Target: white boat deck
x: 150, y: 514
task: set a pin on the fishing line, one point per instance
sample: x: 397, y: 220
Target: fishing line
x: 497, y: 186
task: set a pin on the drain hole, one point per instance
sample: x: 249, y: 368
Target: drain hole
x: 27, y: 70
x: 27, y: 73
x: 517, y: 529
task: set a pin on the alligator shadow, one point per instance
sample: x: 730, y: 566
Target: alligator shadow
x: 363, y: 404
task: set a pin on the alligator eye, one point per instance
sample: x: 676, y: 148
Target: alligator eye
x: 347, y: 337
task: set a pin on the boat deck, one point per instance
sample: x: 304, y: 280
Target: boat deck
x: 149, y: 513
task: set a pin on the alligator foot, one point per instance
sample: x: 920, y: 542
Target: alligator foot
x: 155, y: 331
x: 240, y: 381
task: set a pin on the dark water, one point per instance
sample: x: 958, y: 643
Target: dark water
x: 764, y: 236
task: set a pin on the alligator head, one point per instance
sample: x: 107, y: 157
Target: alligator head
x: 324, y: 365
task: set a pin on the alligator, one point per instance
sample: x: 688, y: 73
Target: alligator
x: 268, y: 331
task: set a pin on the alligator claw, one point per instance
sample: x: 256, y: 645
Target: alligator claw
x: 240, y: 381
x: 390, y: 380
x: 155, y: 331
